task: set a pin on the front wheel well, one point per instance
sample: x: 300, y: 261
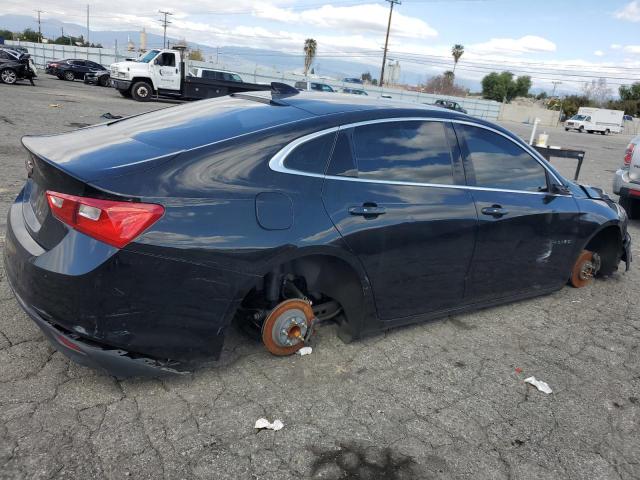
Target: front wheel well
x: 607, y: 243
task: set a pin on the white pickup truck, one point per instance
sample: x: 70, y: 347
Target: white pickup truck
x: 593, y: 120
x: 161, y: 72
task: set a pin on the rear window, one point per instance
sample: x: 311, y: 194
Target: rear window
x: 311, y: 156
x: 301, y: 85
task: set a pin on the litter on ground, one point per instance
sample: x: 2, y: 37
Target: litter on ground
x: 539, y: 384
x: 263, y: 423
x: 305, y: 351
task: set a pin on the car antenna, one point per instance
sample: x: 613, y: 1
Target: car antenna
x: 281, y: 89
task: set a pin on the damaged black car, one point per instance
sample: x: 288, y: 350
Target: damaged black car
x: 136, y: 244
x: 15, y: 66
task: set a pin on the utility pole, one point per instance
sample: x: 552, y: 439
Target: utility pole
x: 87, y: 24
x: 386, y: 40
x: 164, y: 22
x: 555, y: 84
x: 39, y: 28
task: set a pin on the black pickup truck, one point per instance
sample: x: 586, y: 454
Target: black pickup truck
x: 162, y: 73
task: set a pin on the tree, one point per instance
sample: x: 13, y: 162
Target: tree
x: 597, y: 91
x: 6, y: 34
x: 571, y: 104
x: 196, y: 55
x: 366, y: 77
x: 29, y: 35
x: 502, y: 87
x: 457, y: 51
x: 310, y: 49
x: 631, y: 92
x: 444, y: 85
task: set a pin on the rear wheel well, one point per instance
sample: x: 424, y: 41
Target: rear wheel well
x: 320, y: 278
x: 607, y: 244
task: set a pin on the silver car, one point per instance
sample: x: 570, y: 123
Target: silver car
x: 626, y: 182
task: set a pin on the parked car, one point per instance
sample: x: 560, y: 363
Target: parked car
x: 101, y: 77
x: 354, y: 91
x: 626, y: 181
x: 72, y: 69
x: 133, y: 245
x: 352, y: 80
x: 450, y: 105
x: 628, y: 118
x: 15, y: 66
x: 15, y: 48
x: 317, y: 86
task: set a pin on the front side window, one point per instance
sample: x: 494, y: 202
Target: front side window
x: 497, y: 162
x: 167, y: 60
x: 410, y: 151
x: 311, y: 156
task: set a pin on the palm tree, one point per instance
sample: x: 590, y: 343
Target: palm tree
x: 310, y: 48
x: 457, y: 51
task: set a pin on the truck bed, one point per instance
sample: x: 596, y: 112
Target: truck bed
x: 197, y: 88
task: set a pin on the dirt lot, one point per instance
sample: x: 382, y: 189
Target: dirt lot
x: 437, y: 400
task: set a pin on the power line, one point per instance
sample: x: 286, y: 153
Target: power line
x: 164, y: 22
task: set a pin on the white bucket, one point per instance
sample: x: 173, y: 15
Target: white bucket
x: 543, y: 138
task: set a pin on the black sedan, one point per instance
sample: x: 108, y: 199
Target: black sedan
x: 135, y: 244
x: 72, y: 69
x: 15, y: 66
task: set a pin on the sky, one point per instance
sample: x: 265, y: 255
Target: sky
x: 563, y: 40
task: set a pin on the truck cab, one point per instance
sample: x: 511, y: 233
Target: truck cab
x: 155, y: 71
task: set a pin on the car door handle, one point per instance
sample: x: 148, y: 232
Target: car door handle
x: 495, y: 211
x: 367, y: 210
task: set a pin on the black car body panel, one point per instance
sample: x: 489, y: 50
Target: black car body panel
x: 232, y: 216
x: 78, y: 67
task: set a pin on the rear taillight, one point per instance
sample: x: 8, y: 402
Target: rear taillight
x: 628, y: 155
x: 115, y: 223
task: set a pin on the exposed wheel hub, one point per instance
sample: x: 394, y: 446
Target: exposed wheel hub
x: 288, y: 327
x: 585, y: 269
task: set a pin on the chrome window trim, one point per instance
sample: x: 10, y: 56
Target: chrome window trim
x: 277, y: 161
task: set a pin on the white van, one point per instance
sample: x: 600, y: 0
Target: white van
x: 593, y: 120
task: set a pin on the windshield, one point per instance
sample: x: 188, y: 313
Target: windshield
x: 151, y: 54
x: 580, y: 118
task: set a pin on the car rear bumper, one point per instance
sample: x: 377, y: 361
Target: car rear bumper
x: 116, y: 362
x: 624, y: 186
x: 123, y: 309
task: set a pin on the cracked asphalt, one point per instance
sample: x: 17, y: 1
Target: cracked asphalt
x: 445, y: 399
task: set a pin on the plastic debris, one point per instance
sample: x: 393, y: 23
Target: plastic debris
x: 54, y: 105
x: 263, y: 423
x: 539, y: 384
x: 518, y: 370
x: 305, y: 351
x: 110, y: 116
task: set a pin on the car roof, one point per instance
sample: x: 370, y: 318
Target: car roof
x: 318, y: 103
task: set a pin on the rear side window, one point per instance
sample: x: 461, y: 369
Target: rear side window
x: 311, y: 156
x: 497, y: 162
x: 301, y: 85
x: 413, y: 151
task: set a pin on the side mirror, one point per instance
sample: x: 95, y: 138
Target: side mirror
x: 559, y: 189
x: 156, y: 61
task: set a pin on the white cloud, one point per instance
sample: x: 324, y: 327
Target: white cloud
x: 514, y: 46
x: 632, y: 49
x: 615, y: 46
x: 370, y: 18
x: 630, y: 12
x: 599, y: 53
